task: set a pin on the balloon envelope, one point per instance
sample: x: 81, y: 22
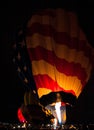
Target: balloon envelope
x: 59, y: 52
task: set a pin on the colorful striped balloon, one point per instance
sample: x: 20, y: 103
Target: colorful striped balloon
x: 60, y: 55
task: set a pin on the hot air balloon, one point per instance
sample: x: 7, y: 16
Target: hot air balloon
x: 60, y: 58
x: 60, y: 55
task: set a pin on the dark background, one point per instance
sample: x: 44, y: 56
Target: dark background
x: 15, y: 15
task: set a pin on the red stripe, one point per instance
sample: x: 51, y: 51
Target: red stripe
x: 44, y: 81
x: 61, y: 38
x: 63, y: 66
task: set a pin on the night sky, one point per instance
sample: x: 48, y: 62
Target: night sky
x: 15, y: 15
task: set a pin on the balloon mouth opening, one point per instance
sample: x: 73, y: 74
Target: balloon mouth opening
x: 53, y: 97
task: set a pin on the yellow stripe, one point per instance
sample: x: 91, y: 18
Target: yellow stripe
x: 61, y: 51
x: 65, y: 82
x: 43, y: 91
